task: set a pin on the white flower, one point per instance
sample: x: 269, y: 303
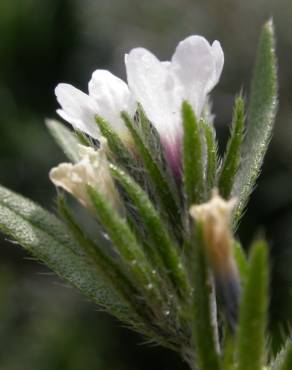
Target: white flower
x: 108, y: 97
x: 93, y: 170
x: 160, y: 87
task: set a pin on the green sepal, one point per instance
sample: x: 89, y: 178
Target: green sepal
x: 149, y: 135
x: 193, y: 168
x: 151, y: 140
x: 121, y: 154
x: 212, y: 155
x: 162, y: 243
x: 203, y: 330
x: 106, y: 265
x: 163, y: 193
x: 261, y: 117
x: 232, y: 156
x: 84, y: 139
x: 250, y: 342
x: 127, y: 246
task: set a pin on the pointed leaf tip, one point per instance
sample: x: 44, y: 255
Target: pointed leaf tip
x: 261, y: 118
x: 232, y: 155
x: 193, y: 169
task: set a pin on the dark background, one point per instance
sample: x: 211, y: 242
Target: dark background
x: 43, y: 324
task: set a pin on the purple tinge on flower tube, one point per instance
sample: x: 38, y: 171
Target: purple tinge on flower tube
x: 173, y: 154
x: 161, y: 87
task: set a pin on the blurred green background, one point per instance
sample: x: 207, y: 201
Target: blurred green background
x: 45, y: 325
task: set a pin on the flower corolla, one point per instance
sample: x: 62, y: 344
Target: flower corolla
x: 160, y: 88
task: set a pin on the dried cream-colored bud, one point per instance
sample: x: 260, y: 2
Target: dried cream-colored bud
x: 93, y: 170
x: 215, y: 218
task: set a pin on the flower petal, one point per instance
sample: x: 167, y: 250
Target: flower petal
x: 77, y: 108
x: 112, y: 96
x: 93, y: 170
x: 154, y: 88
x: 194, y: 66
x: 218, y: 57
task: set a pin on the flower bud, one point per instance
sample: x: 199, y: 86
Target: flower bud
x: 91, y: 170
x: 215, y: 218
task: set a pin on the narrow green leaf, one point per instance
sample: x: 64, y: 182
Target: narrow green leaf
x: 253, y: 311
x: 127, y: 246
x: 84, y: 139
x: 151, y: 140
x: 162, y: 243
x: 163, y: 191
x: 192, y: 157
x: 232, y: 156
x: 147, y: 129
x: 105, y: 264
x: 203, y: 333
x: 261, y: 117
x: 46, y: 238
x: 65, y: 138
x: 121, y: 153
x: 212, y: 157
